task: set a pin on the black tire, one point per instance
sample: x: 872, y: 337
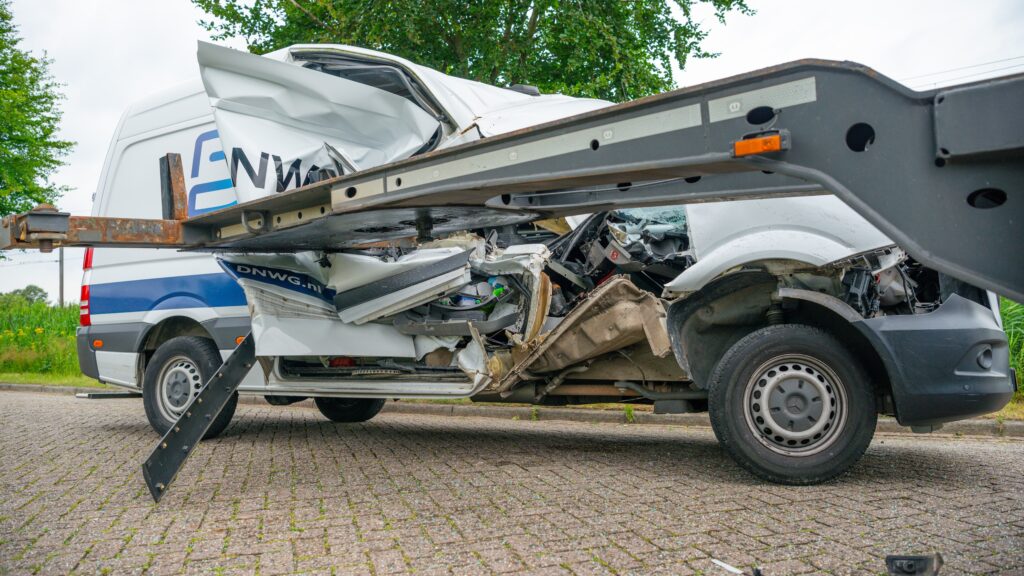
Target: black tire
x: 349, y: 409
x: 181, y: 366
x: 818, y: 414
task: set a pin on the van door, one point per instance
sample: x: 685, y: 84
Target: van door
x: 283, y: 126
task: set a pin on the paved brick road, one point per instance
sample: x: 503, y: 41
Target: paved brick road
x: 287, y: 491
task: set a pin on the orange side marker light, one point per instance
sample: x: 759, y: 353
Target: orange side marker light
x: 759, y: 145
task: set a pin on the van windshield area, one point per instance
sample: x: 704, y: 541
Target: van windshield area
x: 382, y: 75
x: 650, y: 245
x: 674, y: 216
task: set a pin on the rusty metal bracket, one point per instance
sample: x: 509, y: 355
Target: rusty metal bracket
x: 44, y: 227
x: 173, y: 195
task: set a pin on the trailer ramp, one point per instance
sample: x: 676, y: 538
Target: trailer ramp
x: 180, y: 441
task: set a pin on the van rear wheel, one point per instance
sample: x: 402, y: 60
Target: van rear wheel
x: 792, y: 405
x: 175, y: 375
x: 349, y: 409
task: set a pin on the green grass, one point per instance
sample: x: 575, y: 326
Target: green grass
x: 37, y: 339
x: 630, y: 416
x: 1013, y: 323
x: 76, y: 380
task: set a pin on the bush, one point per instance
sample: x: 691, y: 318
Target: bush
x: 36, y: 337
x: 1013, y: 323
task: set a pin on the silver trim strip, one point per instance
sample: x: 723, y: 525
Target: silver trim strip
x: 778, y: 96
x: 611, y: 133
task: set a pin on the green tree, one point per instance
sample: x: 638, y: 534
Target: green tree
x: 612, y: 49
x: 29, y: 114
x: 30, y: 293
x: 22, y: 297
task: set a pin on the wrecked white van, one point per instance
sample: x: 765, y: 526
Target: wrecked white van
x: 786, y: 319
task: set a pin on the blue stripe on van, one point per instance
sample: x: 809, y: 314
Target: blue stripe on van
x: 198, y: 291
x: 295, y: 281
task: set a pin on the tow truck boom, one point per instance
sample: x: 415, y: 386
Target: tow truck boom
x: 940, y: 172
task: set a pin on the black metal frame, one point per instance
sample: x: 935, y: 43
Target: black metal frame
x: 888, y: 152
x: 180, y: 441
x: 940, y: 172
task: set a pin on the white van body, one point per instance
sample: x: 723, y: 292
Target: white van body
x: 139, y: 298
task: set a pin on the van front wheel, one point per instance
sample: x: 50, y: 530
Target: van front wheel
x: 175, y: 375
x: 792, y: 405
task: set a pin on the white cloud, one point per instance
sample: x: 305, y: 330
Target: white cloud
x: 900, y: 39
x: 108, y: 54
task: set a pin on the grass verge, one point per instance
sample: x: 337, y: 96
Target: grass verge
x: 76, y: 380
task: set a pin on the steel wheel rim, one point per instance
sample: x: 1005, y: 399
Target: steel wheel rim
x: 795, y: 405
x: 178, y: 383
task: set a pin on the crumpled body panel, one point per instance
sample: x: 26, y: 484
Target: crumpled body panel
x: 280, y: 123
x: 617, y: 314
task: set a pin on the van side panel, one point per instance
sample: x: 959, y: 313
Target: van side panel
x: 132, y: 290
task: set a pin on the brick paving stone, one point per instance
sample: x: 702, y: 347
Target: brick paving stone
x: 286, y: 492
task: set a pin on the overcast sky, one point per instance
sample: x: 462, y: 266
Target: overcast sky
x: 110, y: 53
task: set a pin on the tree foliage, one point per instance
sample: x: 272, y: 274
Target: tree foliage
x: 612, y: 49
x: 29, y: 295
x: 29, y: 115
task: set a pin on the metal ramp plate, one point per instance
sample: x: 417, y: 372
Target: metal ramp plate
x: 180, y: 441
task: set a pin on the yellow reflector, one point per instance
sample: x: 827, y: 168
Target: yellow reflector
x: 239, y: 340
x: 758, y: 145
x: 97, y: 343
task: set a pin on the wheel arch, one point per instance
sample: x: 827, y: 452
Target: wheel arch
x: 164, y: 330
x: 838, y: 318
x: 704, y: 325
x: 708, y: 322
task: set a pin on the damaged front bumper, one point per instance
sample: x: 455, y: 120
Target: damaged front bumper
x: 946, y: 365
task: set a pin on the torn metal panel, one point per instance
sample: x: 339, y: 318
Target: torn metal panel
x: 359, y: 278
x: 615, y: 315
x: 279, y: 122
x: 409, y: 297
x: 526, y: 262
x: 371, y: 288
x: 293, y: 312
x: 635, y: 363
x: 474, y: 109
x: 474, y: 362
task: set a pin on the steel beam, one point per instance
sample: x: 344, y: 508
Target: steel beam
x: 853, y: 133
x: 940, y: 172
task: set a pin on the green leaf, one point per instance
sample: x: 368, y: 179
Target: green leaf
x: 29, y: 116
x: 606, y: 49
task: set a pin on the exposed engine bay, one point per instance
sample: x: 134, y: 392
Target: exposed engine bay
x: 549, y: 312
